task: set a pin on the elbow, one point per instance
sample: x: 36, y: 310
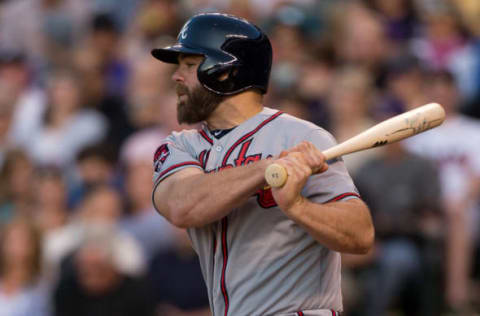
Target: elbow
x: 365, y: 241
x: 179, y: 216
x: 184, y: 215
x: 179, y: 221
x: 176, y: 214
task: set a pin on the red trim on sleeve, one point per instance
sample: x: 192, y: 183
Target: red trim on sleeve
x: 333, y: 313
x: 186, y: 163
x: 300, y: 313
x: 342, y: 196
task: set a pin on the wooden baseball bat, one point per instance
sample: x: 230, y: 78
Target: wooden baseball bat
x: 391, y: 130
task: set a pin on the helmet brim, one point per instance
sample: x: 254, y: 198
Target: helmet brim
x: 170, y: 54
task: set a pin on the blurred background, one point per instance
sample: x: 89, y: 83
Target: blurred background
x: 83, y: 106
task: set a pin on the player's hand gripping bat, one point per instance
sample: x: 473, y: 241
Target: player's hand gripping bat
x: 391, y: 130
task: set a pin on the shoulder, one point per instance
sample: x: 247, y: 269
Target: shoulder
x: 183, y: 137
x: 290, y: 130
x: 299, y: 130
x: 290, y: 124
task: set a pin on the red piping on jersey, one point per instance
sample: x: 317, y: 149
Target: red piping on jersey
x: 203, y: 158
x: 186, y: 163
x: 225, y: 259
x: 244, y: 137
x: 206, y: 158
x: 214, y: 249
x: 204, y: 135
x: 333, y: 313
x: 300, y: 313
x: 342, y: 196
x: 225, y: 220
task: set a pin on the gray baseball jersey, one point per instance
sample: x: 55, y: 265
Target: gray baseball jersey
x: 257, y: 261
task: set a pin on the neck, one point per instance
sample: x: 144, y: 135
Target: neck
x: 235, y: 110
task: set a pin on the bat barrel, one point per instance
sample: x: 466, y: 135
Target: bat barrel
x: 391, y: 130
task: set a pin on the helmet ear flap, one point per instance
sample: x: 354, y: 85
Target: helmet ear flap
x: 222, y: 78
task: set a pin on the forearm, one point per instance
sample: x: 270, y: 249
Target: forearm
x: 200, y: 199
x: 340, y: 226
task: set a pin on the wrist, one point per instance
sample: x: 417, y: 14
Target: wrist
x: 296, y: 208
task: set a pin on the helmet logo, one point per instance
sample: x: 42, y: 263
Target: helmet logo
x: 183, y: 33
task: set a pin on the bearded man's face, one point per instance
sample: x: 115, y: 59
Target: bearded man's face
x: 196, y: 104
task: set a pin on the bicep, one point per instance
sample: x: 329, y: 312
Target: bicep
x: 356, y: 209
x: 166, y: 189
x: 353, y: 203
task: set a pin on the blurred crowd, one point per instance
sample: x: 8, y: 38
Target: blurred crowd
x: 83, y: 106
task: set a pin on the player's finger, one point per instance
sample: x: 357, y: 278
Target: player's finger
x: 313, y: 157
x: 317, y: 157
x: 297, y: 162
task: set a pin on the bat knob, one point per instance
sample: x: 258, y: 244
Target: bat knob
x: 275, y: 175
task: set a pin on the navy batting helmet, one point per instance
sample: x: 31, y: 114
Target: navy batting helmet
x: 231, y: 45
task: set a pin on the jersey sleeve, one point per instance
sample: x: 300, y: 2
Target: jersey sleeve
x: 171, y: 156
x: 333, y: 185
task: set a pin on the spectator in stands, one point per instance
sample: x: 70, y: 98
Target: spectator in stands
x: 36, y: 27
x: 22, y: 292
x: 150, y: 83
x: 453, y: 146
x: 105, y: 74
x: 101, y: 210
x: 26, y: 98
x: 50, y: 198
x: 358, y: 36
x: 98, y: 287
x: 176, y: 279
x: 399, y: 19
x: 96, y: 165
x: 7, y: 102
x: 402, y: 89
x: 67, y: 126
x: 442, y: 34
x: 153, y: 232
x: 402, y: 191
x: 16, y: 187
x: 350, y: 99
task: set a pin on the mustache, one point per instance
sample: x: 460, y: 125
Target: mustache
x: 181, y: 89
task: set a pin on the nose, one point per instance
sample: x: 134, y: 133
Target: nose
x: 177, y: 76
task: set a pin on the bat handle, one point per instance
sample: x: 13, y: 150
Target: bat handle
x: 332, y: 152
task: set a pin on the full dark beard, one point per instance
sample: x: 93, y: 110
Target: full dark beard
x: 199, y: 105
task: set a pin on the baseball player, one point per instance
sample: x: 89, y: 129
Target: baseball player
x: 262, y: 251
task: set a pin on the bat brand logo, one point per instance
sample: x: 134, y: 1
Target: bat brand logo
x: 380, y: 143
